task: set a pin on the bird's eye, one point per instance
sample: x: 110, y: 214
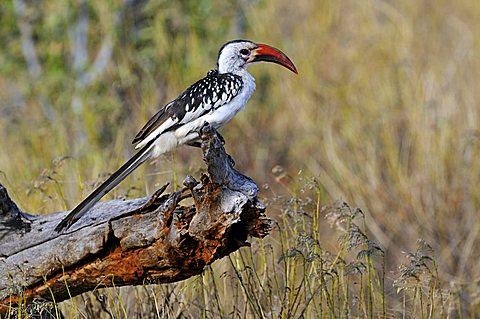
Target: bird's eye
x: 244, y: 52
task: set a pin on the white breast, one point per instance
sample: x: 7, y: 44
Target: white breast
x: 216, y: 117
x: 225, y: 113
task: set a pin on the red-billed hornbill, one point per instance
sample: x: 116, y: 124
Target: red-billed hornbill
x: 215, y: 99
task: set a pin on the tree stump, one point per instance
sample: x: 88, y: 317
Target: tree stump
x: 131, y: 242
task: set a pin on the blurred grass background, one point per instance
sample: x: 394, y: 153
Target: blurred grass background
x: 383, y: 115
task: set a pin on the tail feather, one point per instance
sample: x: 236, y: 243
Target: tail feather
x: 141, y: 156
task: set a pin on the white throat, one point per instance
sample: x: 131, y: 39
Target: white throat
x: 224, y: 67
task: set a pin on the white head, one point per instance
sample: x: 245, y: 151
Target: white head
x: 239, y: 54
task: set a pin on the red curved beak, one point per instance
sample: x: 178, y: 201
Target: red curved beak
x: 267, y: 53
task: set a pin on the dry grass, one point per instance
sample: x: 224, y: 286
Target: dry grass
x: 383, y: 114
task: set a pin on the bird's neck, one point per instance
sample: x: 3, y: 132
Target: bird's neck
x: 231, y: 68
x: 248, y: 82
x: 242, y: 72
x: 247, y: 78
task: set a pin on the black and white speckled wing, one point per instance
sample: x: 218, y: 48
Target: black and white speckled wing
x: 202, y: 97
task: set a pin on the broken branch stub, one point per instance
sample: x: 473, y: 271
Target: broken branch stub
x: 131, y: 242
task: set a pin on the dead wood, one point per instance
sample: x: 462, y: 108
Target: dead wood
x: 155, y: 239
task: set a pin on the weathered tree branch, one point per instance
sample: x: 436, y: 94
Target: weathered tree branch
x: 131, y: 242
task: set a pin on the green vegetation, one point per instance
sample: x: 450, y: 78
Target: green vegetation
x: 383, y: 115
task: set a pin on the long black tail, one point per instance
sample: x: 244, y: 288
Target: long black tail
x: 127, y: 168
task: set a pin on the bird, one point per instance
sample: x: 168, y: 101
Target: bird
x: 214, y: 99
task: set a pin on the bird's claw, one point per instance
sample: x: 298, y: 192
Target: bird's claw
x: 205, y: 128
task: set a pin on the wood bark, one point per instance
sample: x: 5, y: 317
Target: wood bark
x: 156, y: 239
